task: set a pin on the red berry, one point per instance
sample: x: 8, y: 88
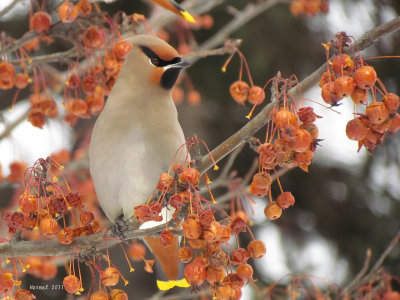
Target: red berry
x: 245, y: 272
x: 256, y: 95
x: 359, y: 96
x: 67, y: 12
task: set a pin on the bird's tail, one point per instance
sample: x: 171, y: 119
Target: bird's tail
x: 169, y: 270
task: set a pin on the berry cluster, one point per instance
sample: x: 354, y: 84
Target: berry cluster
x: 308, y: 7
x: 352, y: 77
x: 205, y: 249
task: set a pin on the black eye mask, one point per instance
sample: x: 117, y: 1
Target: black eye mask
x: 156, y: 60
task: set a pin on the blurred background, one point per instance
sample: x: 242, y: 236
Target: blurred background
x: 348, y: 202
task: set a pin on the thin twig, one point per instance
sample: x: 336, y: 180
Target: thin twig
x: 7, y: 131
x: 6, y: 9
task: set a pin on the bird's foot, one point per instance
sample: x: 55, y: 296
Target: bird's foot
x: 120, y: 227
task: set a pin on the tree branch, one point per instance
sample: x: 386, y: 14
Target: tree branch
x: 6, y: 9
x: 6, y: 132
x: 226, y: 147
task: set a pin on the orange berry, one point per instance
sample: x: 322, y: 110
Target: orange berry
x: 297, y: 7
x: 215, y: 275
x: 21, y: 80
x: 49, y: 227
x: 343, y: 86
x: 190, y: 175
x: 391, y: 295
x: 109, y: 277
x: 86, y: 217
x: 40, y: 21
x: 48, y: 270
x: 71, y: 284
x: 245, y: 272
x: 17, y: 170
x: 67, y: 12
x: 93, y: 38
x: 84, y: 7
x: 240, y: 256
x: 256, y: 95
x: 395, y: 124
x: 356, y: 130
x: 195, y: 273
x: 301, y: 140
x: 66, y: 236
x: 285, y: 200
x: 99, y: 295
x: 21, y: 294
x: 325, y: 78
x: 328, y: 94
x: 359, y: 96
x: 194, y: 97
x: 392, y: 102
x: 192, y: 228
x: 262, y: 180
x: 342, y: 64
x: 121, y: 49
x: 285, y: 117
x: 303, y: 159
x: 118, y: 295
x: 256, y: 249
x: 165, y: 182
x: 257, y: 191
x: 166, y: 238
x: 273, y: 211
x: 185, y: 254
x: 365, y: 77
x: 137, y: 251
x: 239, y: 91
x: 377, y: 112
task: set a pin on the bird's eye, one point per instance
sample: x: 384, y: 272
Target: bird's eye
x: 155, y: 61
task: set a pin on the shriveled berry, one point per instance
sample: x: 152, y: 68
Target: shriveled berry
x: 256, y: 95
x: 215, y: 275
x: 392, y: 102
x: 192, y: 227
x: 262, y: 180
x: 109, y: 277
x: 377, y: 112
x: 185, y: 254
x: 166, y: 237
x: 68, y: 12
x: 300, y: 141
x: 195, y: 273
x: 239, y: 91
x: 71, y: 284
x: 190, y: 175
x: 285, y: 200
x: 285, y: 117
x: 117, y: 294
x: 66, y: 236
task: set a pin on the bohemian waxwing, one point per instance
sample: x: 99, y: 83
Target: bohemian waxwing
x: 135, y: 139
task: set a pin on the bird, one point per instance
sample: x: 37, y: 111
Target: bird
x: 135, y: 139
x: 175, y: 8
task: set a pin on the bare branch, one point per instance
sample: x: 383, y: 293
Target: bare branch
x: 6, y: 132
x: 6, y: 9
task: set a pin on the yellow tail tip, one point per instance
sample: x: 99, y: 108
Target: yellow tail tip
x: 166, y: 285
x: 188, y: 17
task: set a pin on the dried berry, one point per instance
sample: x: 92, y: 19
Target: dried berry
x: 239, y: 91
x: 256, y: 249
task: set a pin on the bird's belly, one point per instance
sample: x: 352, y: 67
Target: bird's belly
x: 126, y: 166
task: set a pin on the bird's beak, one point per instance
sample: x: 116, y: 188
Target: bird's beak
x: 183, y: 64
